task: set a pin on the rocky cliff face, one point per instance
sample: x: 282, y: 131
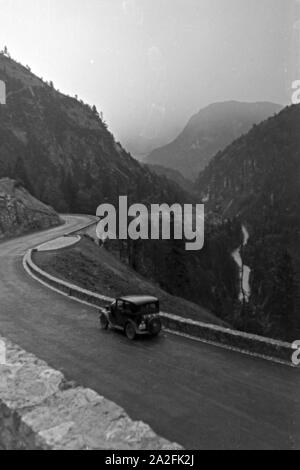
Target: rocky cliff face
x: 208, y: 132
x: 20, y: 212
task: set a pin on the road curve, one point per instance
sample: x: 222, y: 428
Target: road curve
x: 196, y: 394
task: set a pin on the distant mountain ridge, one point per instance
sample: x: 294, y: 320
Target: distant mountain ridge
x: 208, y: 132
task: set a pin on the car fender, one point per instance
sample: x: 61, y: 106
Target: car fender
x: 103, y: 312
x: 132, y: 323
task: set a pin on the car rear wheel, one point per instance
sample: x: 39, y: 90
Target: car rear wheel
x: 130, y: 331
x: 155, y: 327
x: 103, y: 322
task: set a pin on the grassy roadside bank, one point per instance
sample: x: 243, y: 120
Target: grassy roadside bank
x: 92, y: 268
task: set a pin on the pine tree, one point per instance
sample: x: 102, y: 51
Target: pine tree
x: 95, y: 112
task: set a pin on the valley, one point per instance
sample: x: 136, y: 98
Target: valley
x: 66, y: 157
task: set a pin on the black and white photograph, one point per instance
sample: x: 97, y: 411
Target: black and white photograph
x: 149, y: 228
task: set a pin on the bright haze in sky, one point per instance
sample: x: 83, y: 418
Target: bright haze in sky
x: 150, y: 64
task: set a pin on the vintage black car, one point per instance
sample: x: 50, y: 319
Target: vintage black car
x: 135, y: 315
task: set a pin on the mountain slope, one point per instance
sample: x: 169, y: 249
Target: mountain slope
x: 257, y: 171
x: 209, y: 131
x: 63, y: 153
x: 257, y: 180
x: 173, y: 175
x: 61, y: 149
x: 20, y: 212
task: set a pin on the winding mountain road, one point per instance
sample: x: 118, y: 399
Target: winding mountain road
x: 196, y: 394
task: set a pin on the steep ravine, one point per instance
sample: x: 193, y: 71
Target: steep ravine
x: 244, y: 271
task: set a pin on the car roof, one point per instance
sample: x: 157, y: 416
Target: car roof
x: 138, y: 299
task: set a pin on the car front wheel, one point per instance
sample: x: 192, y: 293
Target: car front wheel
x: 130, y: 331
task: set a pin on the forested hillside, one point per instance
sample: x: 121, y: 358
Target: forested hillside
x: 256, y: 180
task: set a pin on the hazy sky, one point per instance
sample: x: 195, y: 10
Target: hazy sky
x: 150, y: 64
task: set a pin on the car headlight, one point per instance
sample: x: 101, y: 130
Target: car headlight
x: 142, y: 326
